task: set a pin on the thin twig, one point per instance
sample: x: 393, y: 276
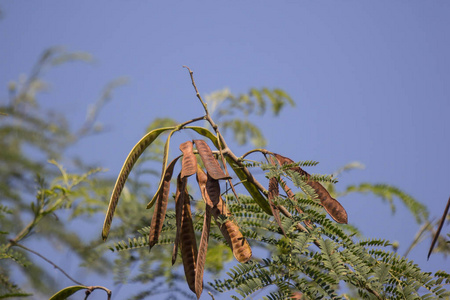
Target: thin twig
x: 46, y: 259
x: 435, y: 238
x: 220, y: 140
x: 191, y: 121
x: 205, y: 107
x: 263, y: 151
x: 417, y: 238
x: 92, y: 288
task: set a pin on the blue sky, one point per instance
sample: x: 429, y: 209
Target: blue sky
x: 370, y: 79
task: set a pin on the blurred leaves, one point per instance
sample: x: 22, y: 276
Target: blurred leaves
x: 34, y: 193
x: 232, y: 111
x: 387, y: 193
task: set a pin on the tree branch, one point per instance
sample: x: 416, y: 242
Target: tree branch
x: 205, y: 107
x: 14, y: 243
x: 92, y: 288
x: 220, y: 140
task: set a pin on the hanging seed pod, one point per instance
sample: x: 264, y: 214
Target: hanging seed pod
x: 331, y: 205
x: 189, y: 162
x: 159, y: 214
x: 291, y: 196
x: 188, y: 246
x: 273, y: 194
x: 203, y: 248
x: 211, y: 164
x: 230, y: 230
x: 185, y: 235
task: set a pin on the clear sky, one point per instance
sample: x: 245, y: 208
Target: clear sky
x: 370, y: 79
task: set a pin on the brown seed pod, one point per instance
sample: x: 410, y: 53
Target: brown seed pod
x: 185, y: 235
x: 188, y: 245
x: 213, y: 190
x: 203, y: 248
x: 211, y: 164
x: 331, y: 205
x: 273, y: 194
x: 189, y: 162
x: 291, y: 196
x: 230, y: 231
x: 181, y: 193
x: 159, y: 214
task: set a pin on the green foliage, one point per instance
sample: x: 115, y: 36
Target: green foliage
x: 388, y: 192
x: 9, y: 289
x: 48, y: 201
x: 315, y: 259
x: 316, y: 262
x: 34, y: 193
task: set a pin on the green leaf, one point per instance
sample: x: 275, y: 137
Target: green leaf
x: 66, y: 292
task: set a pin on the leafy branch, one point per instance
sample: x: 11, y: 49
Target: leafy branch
x: 47, y: 202
x: 193, y: 258
x: 286, y: 224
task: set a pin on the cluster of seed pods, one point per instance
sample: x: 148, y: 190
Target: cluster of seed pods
x: 193, y: 255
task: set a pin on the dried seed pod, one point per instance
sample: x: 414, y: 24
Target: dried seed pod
x: 213, y: 190
x: 331, y: 205
x: 189, y: 162
x: 238, y: 168
x: 203, y: 248
x: 273, y: 194
x: 211, y: 164
x: 231, y: 232
x: 185, y: 235
x: 188, y: 246
x: 181, y: 193
x: 291, y: 196
x: 159, y: 213
x: 239, y: 245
